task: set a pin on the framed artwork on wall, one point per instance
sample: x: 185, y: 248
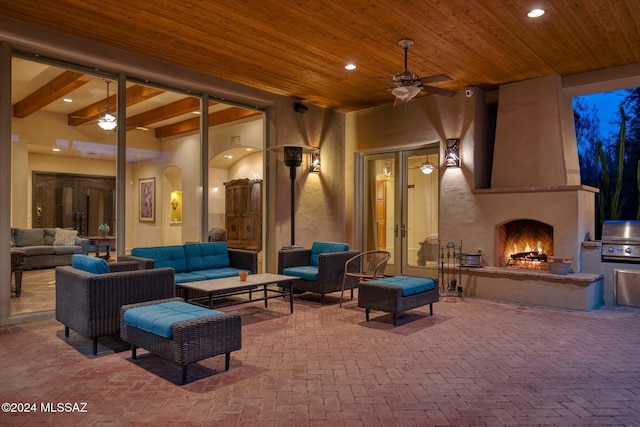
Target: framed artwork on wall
x: 147, y: 200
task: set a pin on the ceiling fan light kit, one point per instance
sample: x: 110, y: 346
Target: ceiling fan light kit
x: 107, y: 122
x: 405, y: 93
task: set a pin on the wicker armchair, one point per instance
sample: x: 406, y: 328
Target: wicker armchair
x: 369, y: 265
x: 319, y: 272
x: 90, y: 303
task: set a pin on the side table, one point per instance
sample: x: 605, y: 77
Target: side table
x: 17, y: 266
x: 106, y: 241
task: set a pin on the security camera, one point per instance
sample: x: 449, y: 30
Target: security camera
x: 300, y: 108
x: 469, y: 92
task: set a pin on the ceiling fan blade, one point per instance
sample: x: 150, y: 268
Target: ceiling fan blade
x: 438, y: 91
x: 435, y: 78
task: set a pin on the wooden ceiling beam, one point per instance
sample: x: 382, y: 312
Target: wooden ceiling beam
x: 217, y: 118
x: 50, y: 92
x: 135, y: 94
x: 164, y: 112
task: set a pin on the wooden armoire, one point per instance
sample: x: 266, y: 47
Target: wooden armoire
x: 243, y: 214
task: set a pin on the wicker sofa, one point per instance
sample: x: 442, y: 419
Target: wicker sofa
x: 89, y: 303
x: 48, y: 247
x: 196, y: 261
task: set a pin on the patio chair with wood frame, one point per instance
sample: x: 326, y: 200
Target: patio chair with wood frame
x: 365, y: 266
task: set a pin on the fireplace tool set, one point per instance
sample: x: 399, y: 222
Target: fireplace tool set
x: 450, y: 268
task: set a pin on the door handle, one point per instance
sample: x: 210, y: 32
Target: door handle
x: 403, y: 230
x: 395, y: 230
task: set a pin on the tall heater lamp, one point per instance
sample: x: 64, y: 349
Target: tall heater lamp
x: 293, y: 159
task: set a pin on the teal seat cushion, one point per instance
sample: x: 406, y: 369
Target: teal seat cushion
x: 159, y: 319
x: 207, y: 255
x: 188, y: 277
x: 219, y: 273
x: 410, y: 285
x: 305, y: 272
x: 164, y: 256
x: 318, y: 248
x: 90, y: 264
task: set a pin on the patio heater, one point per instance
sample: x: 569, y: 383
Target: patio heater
x: 293, y: 159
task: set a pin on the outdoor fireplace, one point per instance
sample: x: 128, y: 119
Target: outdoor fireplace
x: 524, y: 243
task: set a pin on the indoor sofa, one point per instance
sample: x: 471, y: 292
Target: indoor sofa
x: 196, y: 261
x: 48, y: 247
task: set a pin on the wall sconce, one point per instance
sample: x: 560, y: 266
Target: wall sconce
x: 452, y: 152
x: 315, y: 162
x: 427, y: 167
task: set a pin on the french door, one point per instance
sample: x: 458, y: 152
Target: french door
x: 400, y: 209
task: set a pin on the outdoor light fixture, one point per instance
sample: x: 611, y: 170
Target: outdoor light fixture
x: 427, y: 168
x: 293, y: 159
x: 452, y: 153
x: 315, y: 162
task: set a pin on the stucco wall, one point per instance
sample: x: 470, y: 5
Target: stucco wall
x: 319, y: 198
x: 424, y: 121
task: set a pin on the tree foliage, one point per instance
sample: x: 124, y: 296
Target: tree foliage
x: 611, y: 161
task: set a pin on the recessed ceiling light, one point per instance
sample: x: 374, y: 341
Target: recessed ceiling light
x: 535, y: 13
x: 228, y: 156
x: 196, y: 112
x: 68, y: 100
x: 55, y: 149
x: 249, y: 149
x: 141, y: 128
x: 350, y: 67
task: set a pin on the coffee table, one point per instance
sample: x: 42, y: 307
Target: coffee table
x: 219, y: 288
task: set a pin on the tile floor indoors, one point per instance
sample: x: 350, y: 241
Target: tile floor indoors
x: 474, y: 363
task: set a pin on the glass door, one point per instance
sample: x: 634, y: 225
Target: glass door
x: 401, y: 209
x: 381, y: 229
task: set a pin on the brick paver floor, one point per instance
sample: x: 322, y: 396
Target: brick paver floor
x: 474, y: 363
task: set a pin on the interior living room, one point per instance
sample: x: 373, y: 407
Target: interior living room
x: 442, y: 133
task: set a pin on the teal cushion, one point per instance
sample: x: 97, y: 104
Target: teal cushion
x: 318, y: 248
x: 220, y: 273
x: 305, y: 272
x: 409, y: 285
x: 164, y: 256
x: 205, y: 256
x: 185, y: 277
x: 90, y: 264
x: 159, y: 318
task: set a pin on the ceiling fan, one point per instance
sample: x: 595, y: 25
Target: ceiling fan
x: 107, y: 121
x: 408, y: 84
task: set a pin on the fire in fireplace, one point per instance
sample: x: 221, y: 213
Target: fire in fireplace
x: 524, y: 243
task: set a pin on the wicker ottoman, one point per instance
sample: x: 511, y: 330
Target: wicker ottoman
x: 180, y: 332
x: 397, y: 294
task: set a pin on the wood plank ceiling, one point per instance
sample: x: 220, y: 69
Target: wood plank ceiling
x: 299, y: 49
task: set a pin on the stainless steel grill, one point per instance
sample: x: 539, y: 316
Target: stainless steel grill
x: 621, y: 241
x: 621, y: 262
